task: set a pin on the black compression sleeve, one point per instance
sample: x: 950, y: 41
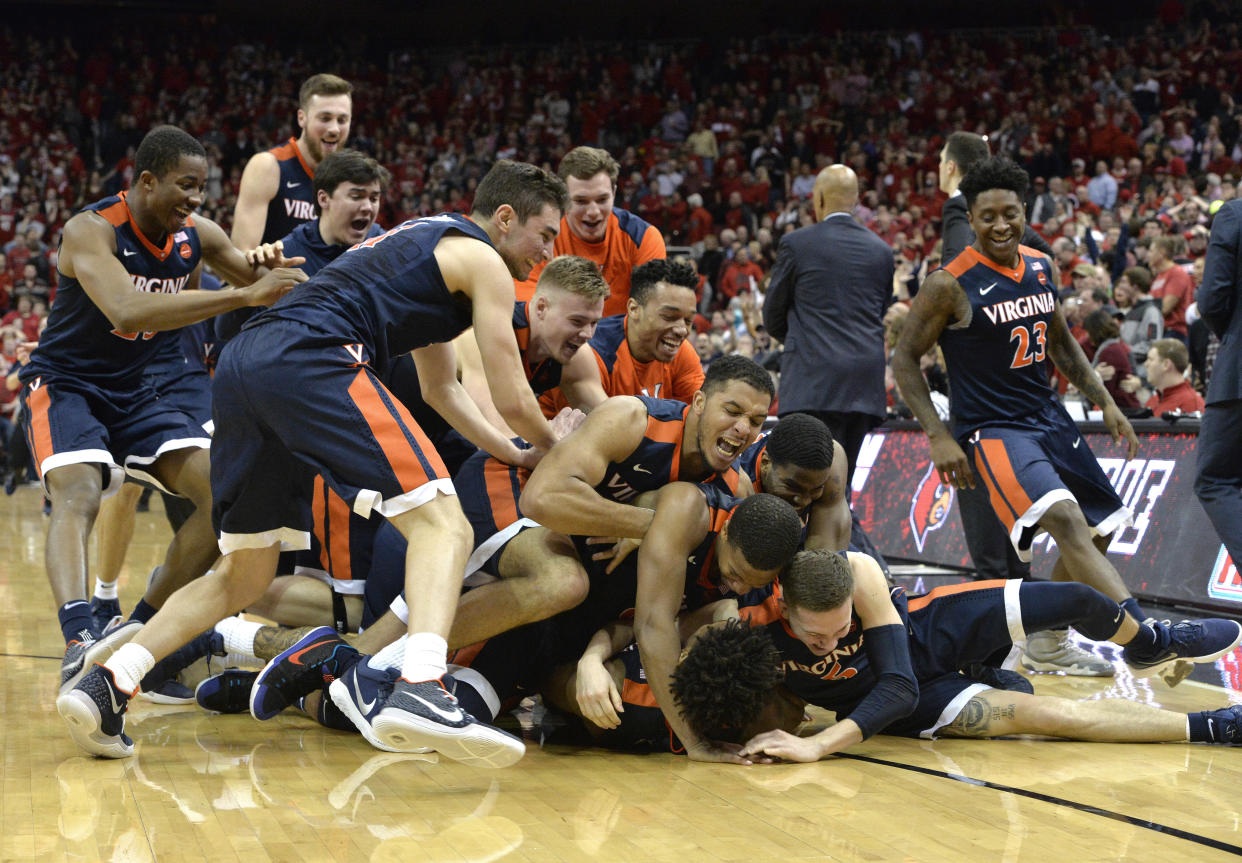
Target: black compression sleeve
x: 896, y: 691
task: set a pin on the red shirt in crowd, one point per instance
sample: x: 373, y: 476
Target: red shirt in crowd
x: 1176, y: 282
x: 1179, y: 397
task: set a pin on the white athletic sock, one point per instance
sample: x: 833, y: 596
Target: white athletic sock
x: 238, y: 635
x: 390, y: 656
x: 129, y: 665
x: 425, y: 657
x: 105, y: 589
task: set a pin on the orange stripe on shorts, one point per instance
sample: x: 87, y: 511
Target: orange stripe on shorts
x: 336, y: 529
x: 389, y: 425
x: 950, y: 589
x: 39, y: 402
x: 1006, y: 484
x: 500, y: 493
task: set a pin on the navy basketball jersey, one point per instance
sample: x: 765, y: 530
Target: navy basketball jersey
x: 997, y: 363
x: 840, y: 679
x: 657, y: 459
x: 80, y: 340
x: 545, y: 375
x: 385, y: 294
x: 608, y: 338
x: 294, y: 202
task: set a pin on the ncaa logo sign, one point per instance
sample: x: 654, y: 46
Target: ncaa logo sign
x: 929, y: 508
x: 1225, y: 582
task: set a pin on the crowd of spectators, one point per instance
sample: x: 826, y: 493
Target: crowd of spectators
x: 1129, y: 136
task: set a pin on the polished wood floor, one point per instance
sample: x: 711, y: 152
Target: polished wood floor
x: 207, y: 787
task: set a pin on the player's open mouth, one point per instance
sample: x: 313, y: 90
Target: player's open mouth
x: 182, y: 214
x: 329, y: 145
x: 360, y: 224
x: 728, y: 448
x: 670, y: 344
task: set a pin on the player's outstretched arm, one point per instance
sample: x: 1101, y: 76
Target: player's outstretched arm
x: 437, y: 379
x: 894, y: 695
x: 476, y: 270
x: 830, y: 521
x: 259, y: 183
x: 595, y: 692
x: 560, y: 493
x: 262, y: 275
x: 939, y: 303
x: 474, y: 379
x: 680, y: 523
x: 88, y: 254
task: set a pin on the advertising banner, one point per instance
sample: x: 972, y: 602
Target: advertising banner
x: 1170, y: 553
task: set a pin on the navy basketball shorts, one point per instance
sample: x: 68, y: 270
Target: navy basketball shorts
x: 187, y: 390
x: 340, y: 543
x: 489, y: 491
x: 290, y: 403
x: 1031, y: 464
x: 950, y: 628
x: 70, y: 421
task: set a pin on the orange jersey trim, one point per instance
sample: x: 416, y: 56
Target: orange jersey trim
x: 142, y: 238
x: 291, y: 148
x: 332, y: 525
x: 633, y: 692
x: 969, y: 257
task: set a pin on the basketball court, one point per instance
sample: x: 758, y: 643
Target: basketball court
x: 222, y: 788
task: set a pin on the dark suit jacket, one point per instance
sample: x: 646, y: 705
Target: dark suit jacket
x: 830, y: 287
x: 1218, y: 301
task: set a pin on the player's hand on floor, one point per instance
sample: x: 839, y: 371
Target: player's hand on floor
x: 597, y: 695
x: 782, y: 745
x: 725, y: 753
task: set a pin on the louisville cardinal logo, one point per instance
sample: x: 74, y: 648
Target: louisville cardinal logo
x: 929, y: 508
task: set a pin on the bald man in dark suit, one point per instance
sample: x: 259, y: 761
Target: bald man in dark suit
x: 830, y: 287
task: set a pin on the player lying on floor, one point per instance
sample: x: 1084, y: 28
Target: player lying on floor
x: 882, y: 663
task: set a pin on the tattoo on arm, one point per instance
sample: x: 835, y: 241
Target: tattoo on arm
x: 1067, y: 356
x: 977, y: 717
